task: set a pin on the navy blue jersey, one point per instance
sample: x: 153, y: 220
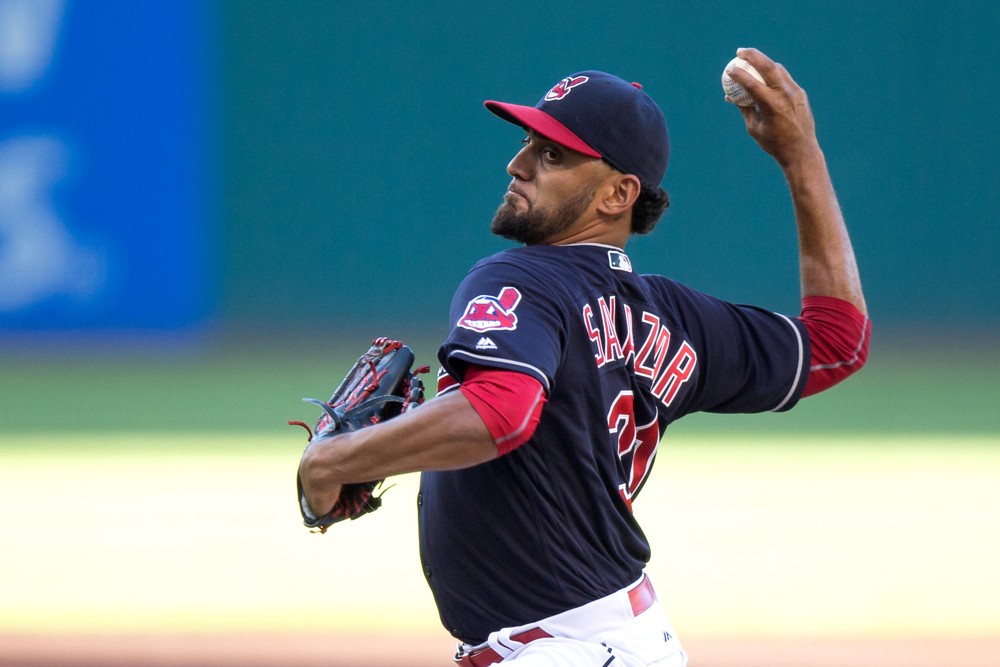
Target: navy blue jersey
x: 549, y: 527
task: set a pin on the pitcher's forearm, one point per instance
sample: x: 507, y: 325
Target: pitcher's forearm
x: 827, y: 263
x: 444, y: 433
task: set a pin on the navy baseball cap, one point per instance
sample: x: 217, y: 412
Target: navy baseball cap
x: 603, y: 116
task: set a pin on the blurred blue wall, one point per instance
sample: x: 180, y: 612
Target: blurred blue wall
x: 351, y: 171
x: 108, y: 174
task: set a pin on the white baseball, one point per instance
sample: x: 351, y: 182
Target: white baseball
x: 735, y: 91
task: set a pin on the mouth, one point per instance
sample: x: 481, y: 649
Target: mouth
x: 512, y: 193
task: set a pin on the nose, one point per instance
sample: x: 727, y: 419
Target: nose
x: 520, y: 165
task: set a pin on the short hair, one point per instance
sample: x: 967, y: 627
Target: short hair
x: 648, y: 208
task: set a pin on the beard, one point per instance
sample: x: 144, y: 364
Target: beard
x: 535, y: 226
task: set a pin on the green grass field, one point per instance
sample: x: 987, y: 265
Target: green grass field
x: 905, y: 389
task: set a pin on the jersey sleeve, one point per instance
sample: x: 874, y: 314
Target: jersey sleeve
x: 502, y: 317
x: 751, y: 359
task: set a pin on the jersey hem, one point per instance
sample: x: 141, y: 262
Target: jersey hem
x: 510, y: 364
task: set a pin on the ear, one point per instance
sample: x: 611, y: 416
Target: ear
x: 621, y: 192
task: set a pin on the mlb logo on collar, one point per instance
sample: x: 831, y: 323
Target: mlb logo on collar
x: 619, y: 261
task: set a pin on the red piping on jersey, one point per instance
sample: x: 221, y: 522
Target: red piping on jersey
x: 509, y: 403
x: 839, y: 337
x: 445, y: 382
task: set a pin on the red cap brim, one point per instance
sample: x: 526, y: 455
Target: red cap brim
x: 542, y: 123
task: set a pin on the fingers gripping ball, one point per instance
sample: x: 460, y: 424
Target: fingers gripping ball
x: 734, y: 91
x: 378, y: 387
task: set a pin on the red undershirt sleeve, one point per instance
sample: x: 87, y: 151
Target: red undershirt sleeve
x: 839, y: 335
x: 509, y: 403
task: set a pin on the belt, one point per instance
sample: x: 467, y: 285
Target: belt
x: 641, y: 597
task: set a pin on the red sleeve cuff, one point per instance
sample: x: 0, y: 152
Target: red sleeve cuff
x: 509, y: 403
x: 839, y: 336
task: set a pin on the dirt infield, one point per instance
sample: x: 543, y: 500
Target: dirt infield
x: 371, y: 650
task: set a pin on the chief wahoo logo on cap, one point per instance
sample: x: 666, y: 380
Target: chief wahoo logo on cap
x: 562, y: 89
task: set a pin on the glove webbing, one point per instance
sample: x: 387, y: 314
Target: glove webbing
x: 337, y: 417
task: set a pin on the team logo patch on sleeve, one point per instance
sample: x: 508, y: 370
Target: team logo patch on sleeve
x: 492, y: 313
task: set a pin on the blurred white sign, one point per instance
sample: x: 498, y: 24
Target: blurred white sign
x: 28, y: 32
x: 38, y: 256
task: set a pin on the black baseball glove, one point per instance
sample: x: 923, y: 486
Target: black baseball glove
x: 380, y: 386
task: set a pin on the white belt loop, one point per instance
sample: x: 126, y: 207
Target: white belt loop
x: 501, y: 642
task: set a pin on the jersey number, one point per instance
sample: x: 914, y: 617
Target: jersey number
x: 637, y: 443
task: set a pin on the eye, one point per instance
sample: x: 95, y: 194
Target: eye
x: 550, y: 153
x: 545, y: 150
